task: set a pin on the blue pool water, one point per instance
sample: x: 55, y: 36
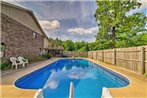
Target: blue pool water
x: 87, y: 77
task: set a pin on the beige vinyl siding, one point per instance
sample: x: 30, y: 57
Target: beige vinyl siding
x: 46, y: 43
x: 21, y: 16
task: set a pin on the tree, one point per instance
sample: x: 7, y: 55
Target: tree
x: 132, y: 29
x: 77, y: 46
x: 86, y: 47
x: 141, y: 39
x: 111, y: 15
x: 68, y: 45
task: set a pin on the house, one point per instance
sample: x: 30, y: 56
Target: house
x: 21, y: 33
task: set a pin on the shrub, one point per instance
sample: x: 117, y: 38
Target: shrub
x: 38, y: 58
x: 47, y: 56
x: 5, y: 64
x: 33, y: 59
x: 29, y: 58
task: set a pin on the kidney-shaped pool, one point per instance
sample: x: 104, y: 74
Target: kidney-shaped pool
x: 88, y: 79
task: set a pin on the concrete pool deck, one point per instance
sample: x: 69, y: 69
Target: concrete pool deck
x: 137, y: 88
x: 8, y: 90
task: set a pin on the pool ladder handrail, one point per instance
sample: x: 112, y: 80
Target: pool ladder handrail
x: 71, y: 91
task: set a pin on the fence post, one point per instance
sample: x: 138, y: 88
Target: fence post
x: 114, y: 57
x: 86, y: 54
x: 142, y: 60
x: 71, y: 53
x: 92, y: 54
x: 96, y: 55
x: 102, y: 56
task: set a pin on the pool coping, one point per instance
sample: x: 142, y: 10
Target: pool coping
x: 138, y: 83
x: 123, y: 92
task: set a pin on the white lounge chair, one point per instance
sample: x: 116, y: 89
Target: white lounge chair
x: 23, y: 61
x: 15, y: 62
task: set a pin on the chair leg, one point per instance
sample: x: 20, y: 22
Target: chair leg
x: 12, y: 66
x: 16, y: 66
x: 23, y: 64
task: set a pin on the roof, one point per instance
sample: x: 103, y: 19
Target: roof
x: 29, y: 11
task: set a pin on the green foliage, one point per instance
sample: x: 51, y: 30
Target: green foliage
x: 116, y: 28
x: 55, y: 42
x: 47, y: 56
x: 33, y: 59
x: 76, y: 46
x: 5, y: 64
x: 82, y: 49
x: 69, y: 45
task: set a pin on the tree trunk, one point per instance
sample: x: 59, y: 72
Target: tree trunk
x: 113, y: 37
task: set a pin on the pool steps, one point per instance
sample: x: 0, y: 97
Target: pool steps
x: 106, y: 93
x: 71, y: 92
x: 39, y: 93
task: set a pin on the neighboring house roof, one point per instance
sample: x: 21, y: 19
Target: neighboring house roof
x: 29, y: 11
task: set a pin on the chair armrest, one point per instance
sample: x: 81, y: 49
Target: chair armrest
x: 26, y: 60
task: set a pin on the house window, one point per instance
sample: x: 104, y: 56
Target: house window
x: 2, y: 51
x: 34, y: 35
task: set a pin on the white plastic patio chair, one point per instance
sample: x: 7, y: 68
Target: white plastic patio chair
x: 14, y: 62
x: 23, y: 61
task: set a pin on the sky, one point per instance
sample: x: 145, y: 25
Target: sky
x: 72, y: 19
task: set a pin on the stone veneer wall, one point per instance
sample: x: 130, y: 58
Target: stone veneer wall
x: 19, y: 39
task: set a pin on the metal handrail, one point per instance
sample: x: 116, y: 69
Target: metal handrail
x: 71, y: 92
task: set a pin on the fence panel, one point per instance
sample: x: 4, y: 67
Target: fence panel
x: 90, y: 54
x: 108, y: 56
x: 74, y: 53
x: 94, y: 54
x: 133, y: 58
x: 67, y: 53
x: 129, y: 58
x: 100, y: 55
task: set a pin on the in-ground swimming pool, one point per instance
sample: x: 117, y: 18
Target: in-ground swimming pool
x: 88, y: 79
